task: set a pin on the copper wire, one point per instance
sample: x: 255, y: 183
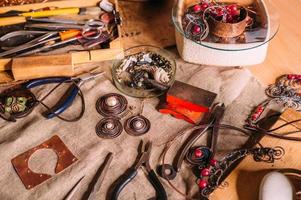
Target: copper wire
x: 104, y: 108
x: 108, y: 128
x: 137, y: 125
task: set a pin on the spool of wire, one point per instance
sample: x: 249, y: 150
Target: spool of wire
x: 137, y: 125
x: 198, y: 155
x: 108, y: 128
x: 111, y: 104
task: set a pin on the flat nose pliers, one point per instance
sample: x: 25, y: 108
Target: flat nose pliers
x: 130, y: 174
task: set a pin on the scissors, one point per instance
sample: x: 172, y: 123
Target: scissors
x: 54, y: 24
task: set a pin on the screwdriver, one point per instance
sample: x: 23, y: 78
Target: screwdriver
x: 18, y: 18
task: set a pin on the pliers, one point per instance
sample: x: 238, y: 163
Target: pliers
x: 68, y: 98
x: 130, y: 174
x: 213, y: 124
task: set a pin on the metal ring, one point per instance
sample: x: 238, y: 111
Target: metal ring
x: 137, y: 125
x: 111, y: 104
x: 86, y: 30
x: 167, y: 171
x: 109, y: 128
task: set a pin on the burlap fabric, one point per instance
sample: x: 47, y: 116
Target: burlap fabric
x: 236, y: 87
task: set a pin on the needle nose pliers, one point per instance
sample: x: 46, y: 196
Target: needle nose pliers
x: 130, y: 174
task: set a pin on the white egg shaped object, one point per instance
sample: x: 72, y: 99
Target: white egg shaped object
x: 276, y: 186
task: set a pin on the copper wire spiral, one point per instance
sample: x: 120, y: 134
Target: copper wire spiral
x: 192, y: 159
x: 108, y: 128
x: 137, y: 125
x: 111, y: 104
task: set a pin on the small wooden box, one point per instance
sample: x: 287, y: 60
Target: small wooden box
x: 79, y: 57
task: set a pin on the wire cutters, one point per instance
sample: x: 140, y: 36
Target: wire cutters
x: 130, y: 174
x: 67, y: 99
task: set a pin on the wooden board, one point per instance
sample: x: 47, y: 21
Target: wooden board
x: 244, y: 181
x: 147, y: 23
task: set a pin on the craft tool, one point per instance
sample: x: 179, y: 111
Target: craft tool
x: 96, y: 183
x: 64, y: 102
x: 142, y: 160
x: 70, y: 95
x: 212, y: 124
x: 73, y: 190
x: 62, y: 24
x: 34, y: 67
x: 21, y: 17
x: 58, y: 44
x: 44, y: 39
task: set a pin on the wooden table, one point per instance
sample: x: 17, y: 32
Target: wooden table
x: 284, y: 54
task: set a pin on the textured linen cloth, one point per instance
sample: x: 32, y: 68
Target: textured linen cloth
x: 236, y: 87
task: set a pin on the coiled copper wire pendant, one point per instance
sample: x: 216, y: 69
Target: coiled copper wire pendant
x: 108, y: 128
x: 137, y: 125
x: 111, y: 104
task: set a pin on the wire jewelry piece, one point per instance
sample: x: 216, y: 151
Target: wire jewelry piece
x: 111, y: 104
x: 137, y: 125
x: 16, y: 103
x: 109, y: 128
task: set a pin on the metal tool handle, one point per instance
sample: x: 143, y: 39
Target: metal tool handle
x: 64, y: 103
x: 122, y: 182
x: 160, y: 191
x: 44, y: 81
x: 55, y: 26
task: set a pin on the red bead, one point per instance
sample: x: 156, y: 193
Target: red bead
x: 213, y: 162
x: 196, y: 29
x: 205, y: 172
x: 204, y: 5
x: 197, y: 8
x: 229, y: 19
x: 290, y: 76
x: 203, y: 184
x: 198, y: 153
x: 219, y: 12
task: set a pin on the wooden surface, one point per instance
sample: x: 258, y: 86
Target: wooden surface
x: 284, y: 50
x: 245, y: 180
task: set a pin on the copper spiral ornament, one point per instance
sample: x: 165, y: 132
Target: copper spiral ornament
x: 111, y: 104
x: 193, y: 158
x: 108, y: 128
x: 137, y: 125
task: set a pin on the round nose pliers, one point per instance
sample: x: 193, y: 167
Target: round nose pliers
x: 130, y: 174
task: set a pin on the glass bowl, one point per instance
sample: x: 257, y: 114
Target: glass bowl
x: 124, y: 86
x: 256, y: 36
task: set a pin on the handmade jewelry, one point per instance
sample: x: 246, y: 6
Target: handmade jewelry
x: 211, y: 173
x: 16, y: 103
x: 142, y: 70
x: 108, y: 128
x: 195, y: 19
x: 286, y: 92
x: 137, y: 125
x: 111, y: 104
